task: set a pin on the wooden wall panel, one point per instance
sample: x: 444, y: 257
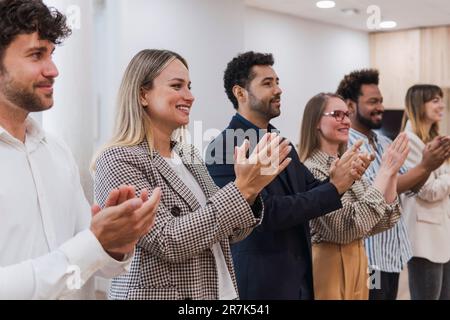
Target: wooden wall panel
x: 435, y: 56
x: 409, y: 57
x: 397, y: 56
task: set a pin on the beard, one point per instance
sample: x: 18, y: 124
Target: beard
x: 23, y: 97
x: 367, y: 122
x: 264, y: 108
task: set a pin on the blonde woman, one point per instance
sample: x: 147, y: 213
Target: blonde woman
x: 339, y: 259
x: 428, y: 212
x: 187, y: 253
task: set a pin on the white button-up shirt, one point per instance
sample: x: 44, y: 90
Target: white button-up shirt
x: 45, y: 241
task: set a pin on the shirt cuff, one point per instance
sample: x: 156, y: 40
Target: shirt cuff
x: 17, y: 282
x: 391, y: 207
x: 85, y: 253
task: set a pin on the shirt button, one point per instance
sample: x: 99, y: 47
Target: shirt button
x: 175, y: 211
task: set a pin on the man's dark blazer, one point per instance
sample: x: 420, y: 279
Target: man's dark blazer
x: 275, y: 261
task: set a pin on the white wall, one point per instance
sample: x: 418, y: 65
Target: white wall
x: 207, y: 33
x: 310, y: 57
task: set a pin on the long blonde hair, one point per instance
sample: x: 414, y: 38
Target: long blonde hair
x: 416, y: 98
x: 132, y: 124
x: 309, y: 135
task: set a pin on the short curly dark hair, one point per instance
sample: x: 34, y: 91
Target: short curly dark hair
x: 350, y: 86
x: 28, y: 16
x: 239, y: 71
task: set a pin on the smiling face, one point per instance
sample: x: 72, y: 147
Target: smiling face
x: 434, y: 110
x: 168, y: 103
x: 334, y: 126
x: 370, y: 109
x: 28, y: 74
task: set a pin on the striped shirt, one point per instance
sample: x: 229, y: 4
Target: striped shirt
x: 388, y: 251
x: 364, y: 210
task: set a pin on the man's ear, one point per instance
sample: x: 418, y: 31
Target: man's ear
x: 351, y: 106
x: 239, y: 93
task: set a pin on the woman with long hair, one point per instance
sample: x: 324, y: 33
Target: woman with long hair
x: 339, y: 259
x: 427, y: 213
x: 187, y: 253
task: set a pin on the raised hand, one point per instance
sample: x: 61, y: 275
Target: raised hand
x: 350, y: 167
x: 268, y: 160
x: 119, y: 196
x: 436, y: 153
x: 395, y: 156
x: 124, y: 220
x: 366, y: 160
x: 445, y: 141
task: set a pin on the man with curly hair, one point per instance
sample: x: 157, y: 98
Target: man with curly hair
x: 275, y: 261
x: 389, y: 251
x: 49, y: 246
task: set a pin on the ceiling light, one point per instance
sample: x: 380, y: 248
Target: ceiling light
x: 350, y: 11
x: 326, y: 4
x: 388, y: 24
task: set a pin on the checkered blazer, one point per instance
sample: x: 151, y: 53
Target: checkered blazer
x: 174, y: 260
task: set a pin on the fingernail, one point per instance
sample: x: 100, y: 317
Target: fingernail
x: 136, y: 202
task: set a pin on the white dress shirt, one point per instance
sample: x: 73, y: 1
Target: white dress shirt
x: 225, y: 284
x: 44, y: 222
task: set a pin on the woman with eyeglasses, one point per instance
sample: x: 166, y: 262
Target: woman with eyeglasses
x: 427, y: 214
x: 339, y: 260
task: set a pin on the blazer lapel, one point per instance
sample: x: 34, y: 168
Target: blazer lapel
x: 174, y: 181
x: 416, y: 146
x: 196, y: 167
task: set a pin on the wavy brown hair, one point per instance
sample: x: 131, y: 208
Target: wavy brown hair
x: 19, y: 17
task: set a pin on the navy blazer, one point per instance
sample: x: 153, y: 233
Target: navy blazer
x: 275, y: 261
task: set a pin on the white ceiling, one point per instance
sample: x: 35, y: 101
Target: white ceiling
x: 407, y: 13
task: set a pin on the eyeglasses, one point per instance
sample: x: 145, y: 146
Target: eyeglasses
x: 339, y: 115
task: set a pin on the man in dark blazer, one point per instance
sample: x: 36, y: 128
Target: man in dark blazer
x: 275, y: 261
